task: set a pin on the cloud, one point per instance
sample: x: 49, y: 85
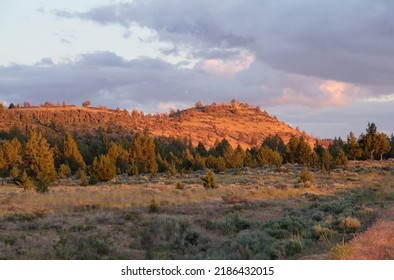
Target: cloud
x: 342, y: 40
x: 106, y: 78
x: 227, y: 68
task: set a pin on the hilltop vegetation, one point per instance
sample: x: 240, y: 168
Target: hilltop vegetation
x: 239, y: 123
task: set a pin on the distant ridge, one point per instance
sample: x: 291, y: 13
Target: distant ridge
x: 238, y: 122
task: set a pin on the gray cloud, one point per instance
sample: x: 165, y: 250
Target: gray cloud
x: 342, y: 40
x: 106, y: 78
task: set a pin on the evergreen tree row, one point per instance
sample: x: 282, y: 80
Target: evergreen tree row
x: 36, y: 160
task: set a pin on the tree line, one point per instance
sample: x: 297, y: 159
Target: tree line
x: 36, y: 160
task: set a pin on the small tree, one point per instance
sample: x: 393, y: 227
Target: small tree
x: 71, y: 154
x: 86, y: 103
x: 369, y: 141
x: 208, y: 181
x: 83, y: 178
x: 64, y: 171
x: 42, y: 186
x: 25, y: 182
x: 306, y: 177
x: 353, y: 147
x: 326, y: 161
x: 38, y: 159
x: 153, y: 206
x: 383, y: 144
x: 14, y: 174
x: 104, y: 168
x: 341, y: 158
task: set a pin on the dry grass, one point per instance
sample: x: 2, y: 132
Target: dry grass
x: 377, y: 243
x: 113, y: 220
x: 257, y: 185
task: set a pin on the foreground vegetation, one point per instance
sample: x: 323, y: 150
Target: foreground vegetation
x: 254, y: 213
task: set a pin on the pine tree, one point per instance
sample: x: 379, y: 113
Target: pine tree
x: 104, y: 168
x: 220, y: 165
x: 209, y: 181
x: 71, y: 154
x: 383, y: 145
x: 353, y: 147
x: 369, y: 141
x: 326, y: 161
x: 143, y: 153
x: 25, y: 182
x: 341, y: 158
x: 275, y: 143
x: 291, y: 149
x: 38, y: 159
x: 11, y: 152
x: 119, y: 156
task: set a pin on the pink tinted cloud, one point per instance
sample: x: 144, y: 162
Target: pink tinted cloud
x: 328, y: 93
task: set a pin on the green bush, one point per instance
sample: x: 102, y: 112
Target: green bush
x: 208, y: 181
x: 306, y: 177
x: 93, y: 180
x: 81, y: 247
x: 42, y: 186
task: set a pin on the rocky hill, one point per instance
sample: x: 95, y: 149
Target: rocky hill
x: 237, y: 122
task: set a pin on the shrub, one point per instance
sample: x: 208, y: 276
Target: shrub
x: 42, y: 186
x: 104, y: 168
x: 86, y: 103
x: 350, y: 224
x: 208, y: 181
x: 220, y: 165
x: 180, y: 186
x: 14, y: 173
x: 25, y: 182
x: 64, y: 171
x: 93, y: 180
x: 323, y: 233
x: 10, y: 240
x: 340, y: 251
x: 233, y: 198
x: 83, y: 178
x: 306, y: 177
x: 153, y: 206
x: 81, y: 247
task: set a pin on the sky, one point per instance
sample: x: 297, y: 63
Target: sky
x: 324, y: 66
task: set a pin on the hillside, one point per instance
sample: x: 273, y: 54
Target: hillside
x: 237, y: 122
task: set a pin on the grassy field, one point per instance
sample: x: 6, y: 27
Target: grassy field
x: 260, y: 213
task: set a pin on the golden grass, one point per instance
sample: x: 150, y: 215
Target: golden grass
x: 257, y: 185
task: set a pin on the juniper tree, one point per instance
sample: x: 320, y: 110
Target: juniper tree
x: 104, y: 168
x: 353, y: 147
x: 370, y: 141
x: 38, y: 159
x: 383, y: 146
x: 11, y: 152
x: 71, y: 154
x: 143, y: 153
x: 208, y: 181
x: 119, y: 156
